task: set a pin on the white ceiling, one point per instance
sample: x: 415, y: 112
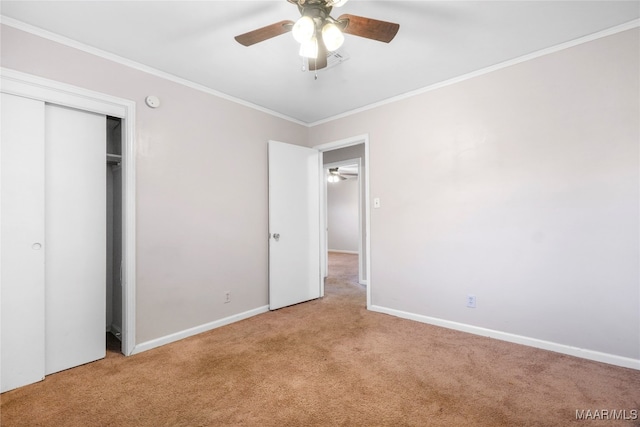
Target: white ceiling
x: 437, y: 41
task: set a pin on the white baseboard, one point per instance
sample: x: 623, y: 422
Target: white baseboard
x: 148, y: 345
x: 340, y: 251
x: 597, y: 356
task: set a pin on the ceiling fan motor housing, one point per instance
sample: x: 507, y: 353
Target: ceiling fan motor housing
x: 317, y: 11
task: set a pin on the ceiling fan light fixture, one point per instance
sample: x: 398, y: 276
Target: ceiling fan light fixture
x: 303, y: 30
x: 334, y: 176
x: 319, y: 34
x: 332, y: 36
x: 309, y: 49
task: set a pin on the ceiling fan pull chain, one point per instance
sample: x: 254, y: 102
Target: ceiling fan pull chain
x: 315, y: 67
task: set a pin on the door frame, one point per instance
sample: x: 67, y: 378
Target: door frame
x: 334, y: 145
x: 30, y: 86
x: 361, y: 263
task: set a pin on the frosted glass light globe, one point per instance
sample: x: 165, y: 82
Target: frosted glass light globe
x: 303, y: 29
x: 332, y: 37
x: 309, y: 49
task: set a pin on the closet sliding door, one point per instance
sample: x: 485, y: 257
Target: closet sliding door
x: 53, y: 239
x: 75, y: 231
x: 22, y: 244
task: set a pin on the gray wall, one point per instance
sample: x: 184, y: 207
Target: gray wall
x: 520, y: 186
x: 343, y: 215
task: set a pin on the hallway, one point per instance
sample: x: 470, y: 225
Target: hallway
x: 343, y: 276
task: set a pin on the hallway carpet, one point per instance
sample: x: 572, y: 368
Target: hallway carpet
x: 329, y: 362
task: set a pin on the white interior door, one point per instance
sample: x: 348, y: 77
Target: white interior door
x: 22, y: 244
x: 294, y: 225
x: 75, y: 227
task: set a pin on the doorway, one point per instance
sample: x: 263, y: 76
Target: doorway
x: 351, y: 150
x: 344, y: 222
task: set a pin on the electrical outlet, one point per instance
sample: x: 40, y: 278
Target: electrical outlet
x: 227, y: 297
x: 471, y: 301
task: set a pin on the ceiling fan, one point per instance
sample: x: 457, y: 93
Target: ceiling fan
x: 336, y: 174
x: 318, y: 33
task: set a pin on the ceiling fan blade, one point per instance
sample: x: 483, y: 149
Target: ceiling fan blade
x: 369, y: 28
x: 264, y: 33
x: 321, y: 61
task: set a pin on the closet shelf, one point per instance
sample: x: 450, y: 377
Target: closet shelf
x: 114, y: 158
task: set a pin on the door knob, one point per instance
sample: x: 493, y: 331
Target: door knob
x: 36, y: 246
x: 276, y: 236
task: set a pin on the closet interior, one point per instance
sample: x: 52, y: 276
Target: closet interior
x: 114, y: 231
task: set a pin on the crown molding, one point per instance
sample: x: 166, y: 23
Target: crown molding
x: 5, y: 20
x: 150, y: 70
x: 591, y: 37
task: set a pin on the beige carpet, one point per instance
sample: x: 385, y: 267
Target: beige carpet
x: 324, y: 363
